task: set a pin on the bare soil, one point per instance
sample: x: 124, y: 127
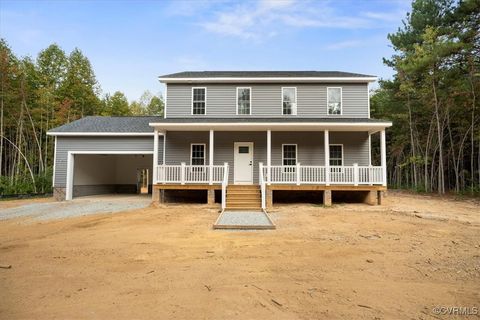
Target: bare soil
x: 351, y: 261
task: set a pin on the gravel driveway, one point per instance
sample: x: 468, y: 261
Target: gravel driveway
x: 77, y: 207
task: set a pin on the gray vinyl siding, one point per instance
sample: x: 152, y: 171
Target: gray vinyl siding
x: 266, y: 100
x: 96, y: 143
x: 310, y: 147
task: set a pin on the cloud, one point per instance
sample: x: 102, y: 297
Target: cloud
x: 344, y: 44
x: 256, y: 20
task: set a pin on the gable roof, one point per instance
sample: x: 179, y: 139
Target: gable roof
x: 107, y: 125
x: 266, y: 76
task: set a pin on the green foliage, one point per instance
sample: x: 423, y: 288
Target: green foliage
x: 39, y: 94
x: 433, y: 98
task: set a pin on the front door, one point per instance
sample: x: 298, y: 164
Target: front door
x: 243, y: 163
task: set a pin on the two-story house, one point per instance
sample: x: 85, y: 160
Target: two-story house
x: 237, y: 137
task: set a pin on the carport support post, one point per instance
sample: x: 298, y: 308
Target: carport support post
x: 210, y: 159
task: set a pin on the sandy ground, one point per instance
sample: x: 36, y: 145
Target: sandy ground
x: 351, y: 261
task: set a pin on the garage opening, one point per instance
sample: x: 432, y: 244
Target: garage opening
x: 96, y: 174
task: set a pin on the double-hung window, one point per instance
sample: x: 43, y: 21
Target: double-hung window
x: 199, y: 100
x: 334, y: 101
x: 336, y: 159
x: 289, y: 157
x: 244, y: 99
x: 197, y: 157
x: 289, y: 101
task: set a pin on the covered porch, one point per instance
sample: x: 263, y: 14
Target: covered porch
x: 280, y: 155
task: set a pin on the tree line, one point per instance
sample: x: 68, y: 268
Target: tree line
x: 434, y: 143
x: 39, y: 94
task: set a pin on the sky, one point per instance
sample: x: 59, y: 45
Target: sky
x: 131, y: 43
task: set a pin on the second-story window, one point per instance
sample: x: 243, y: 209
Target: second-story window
x: 334, y: 100
x: 199, y: 100
x: 244, y: 100
x: 289, y: 100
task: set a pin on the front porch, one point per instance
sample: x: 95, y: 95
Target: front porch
x: 281, y: 157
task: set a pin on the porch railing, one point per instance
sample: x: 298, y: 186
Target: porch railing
x: 340, y: 175
x: 183, y: 174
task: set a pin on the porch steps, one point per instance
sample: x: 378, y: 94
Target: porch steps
x: 244, y: 197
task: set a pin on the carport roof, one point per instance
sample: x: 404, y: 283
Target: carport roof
x: 98, y: 125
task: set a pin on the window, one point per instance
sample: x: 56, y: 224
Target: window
x: 199, y: 98
x: 243, y: 100
x: 336, y: 155
x: 334, y: 100
x: 198, y: 155
x: 289, y: 101
x: 289, y: 157
x: 243, y: 150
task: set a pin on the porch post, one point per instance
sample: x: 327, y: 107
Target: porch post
x: 155, y: 156
x: 210, y: 157
x: 326, y: 140
x: 383, y: 152
x: 269, y: 155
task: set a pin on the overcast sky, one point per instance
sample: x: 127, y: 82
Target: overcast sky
x: 131, y: 43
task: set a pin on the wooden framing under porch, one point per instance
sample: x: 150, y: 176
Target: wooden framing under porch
x: 373, y: 193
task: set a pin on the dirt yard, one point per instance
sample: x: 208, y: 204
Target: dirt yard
x: 352, y: 261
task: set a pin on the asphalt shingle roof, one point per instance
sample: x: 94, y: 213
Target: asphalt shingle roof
x: 139, y: 124
x: 263, y: 74
x: 109, y: 124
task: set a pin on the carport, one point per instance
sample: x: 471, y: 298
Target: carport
x: 108, y: 172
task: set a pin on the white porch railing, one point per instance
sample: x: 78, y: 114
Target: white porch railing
x: 342, y: 175
x: 183, y: 174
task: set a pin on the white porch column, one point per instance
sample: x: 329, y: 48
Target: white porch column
x: 383, y: 153
x: 326, y: 140
x: 210, y: 157
x: 269, y: 155
x: 164, y: 145
x: 155, y: 156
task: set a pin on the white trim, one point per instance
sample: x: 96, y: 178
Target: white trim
x: 54, y: 161
x: 326, y: 151
x: 252, y: 147
x: 341, y: 101
x: 204, y: 151
x: 268, y: 79
x: 383, y: 156
x: 368, y: 97
x: 369, y: 149
x: 330, y: 158
x: 294, y: 106
x: 164, y: 146
x: 71, y: 165
x: 155, y: 156
x: 269, y: 155
x: 199, y: 114
x: 109, y: 152
x: 236, y: 101
x: 296, y: 152
x: 252, y: 126
x: 166, y: 102
x: 145, y: 134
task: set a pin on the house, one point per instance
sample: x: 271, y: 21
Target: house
x: 238, y: 137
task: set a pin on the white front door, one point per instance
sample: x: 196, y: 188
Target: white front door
x: 243, y: 162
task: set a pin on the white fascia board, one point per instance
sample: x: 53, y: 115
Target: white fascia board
x: 232, y: 126
x: 268, y: 79
x: 101, y: 133
x: 109, y: 152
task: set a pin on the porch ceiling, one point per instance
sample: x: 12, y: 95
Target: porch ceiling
x: 280, y: 124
